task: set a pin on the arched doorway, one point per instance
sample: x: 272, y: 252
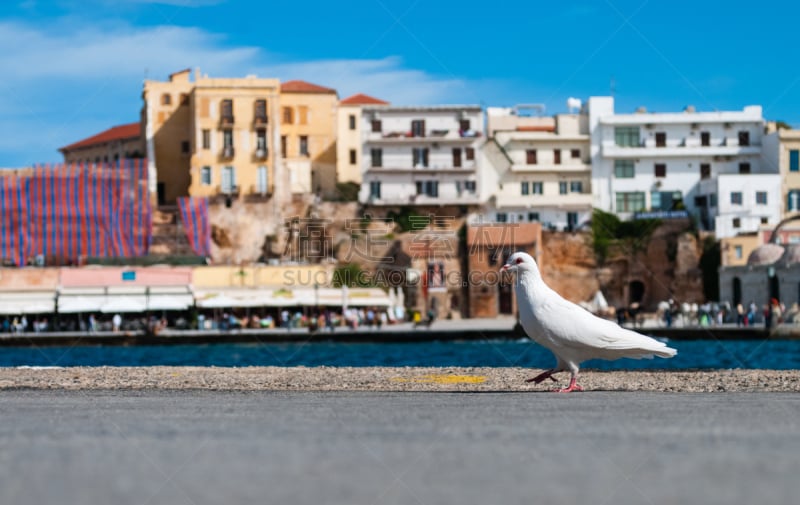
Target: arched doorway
x: 737, y: 291
x: 635, y: 292
x: 774, y: 287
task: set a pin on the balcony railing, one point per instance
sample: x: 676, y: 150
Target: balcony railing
x: 226, y: 120
x: 262, y: 153
x: 228, y: 190
x: 260, y: 120
x: 227, y: 152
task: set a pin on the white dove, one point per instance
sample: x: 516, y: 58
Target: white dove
x: 571, y: 332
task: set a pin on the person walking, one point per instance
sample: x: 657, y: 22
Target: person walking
x: 116, y: 322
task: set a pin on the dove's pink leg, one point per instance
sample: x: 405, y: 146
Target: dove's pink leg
x: 573, y: 386
x: 548, y: 374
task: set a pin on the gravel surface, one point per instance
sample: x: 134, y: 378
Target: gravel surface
x: 387, y: 379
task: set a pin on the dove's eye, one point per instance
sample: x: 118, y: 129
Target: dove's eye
x: 519, y: 260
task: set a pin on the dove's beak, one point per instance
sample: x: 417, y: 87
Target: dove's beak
x: 505, y: 268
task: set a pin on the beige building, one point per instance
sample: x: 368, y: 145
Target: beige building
x: 211, y: 136
x: 108, y: 146
x: 349, y: 140
x: 308, y: 137
x: 782, y: 150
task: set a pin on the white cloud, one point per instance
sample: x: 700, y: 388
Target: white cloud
x: 62, y: 81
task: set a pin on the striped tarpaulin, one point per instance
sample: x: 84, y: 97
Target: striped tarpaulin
x: 194, y: 215
x: 75, y: 211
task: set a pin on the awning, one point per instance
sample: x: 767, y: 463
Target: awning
x: 80, y: 304
x: 169, y: 302
x: 27, y: 302
x: 124, y: 303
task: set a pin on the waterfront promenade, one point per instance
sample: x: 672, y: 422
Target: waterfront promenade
x: 459, y: 329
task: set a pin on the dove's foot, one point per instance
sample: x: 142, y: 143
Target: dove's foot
x: 573, y: 386
x: 542, y: 376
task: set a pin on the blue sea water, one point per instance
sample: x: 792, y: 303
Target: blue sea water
x: 695, y: 354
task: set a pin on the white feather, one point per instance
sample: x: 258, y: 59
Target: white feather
x: 572, y: 333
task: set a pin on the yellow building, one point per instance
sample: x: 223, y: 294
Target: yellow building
x: 348, y: 142
x: 211, y: 136
x: 308, y: 137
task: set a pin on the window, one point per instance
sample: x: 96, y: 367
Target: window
x: 744, y: 168
x: 227, y: 138
x: 761, y: 197
x: 705, y: 170
x: 524, y: 188
x: 351, y: 119
x: 501, y: 217
x: 228, y: 179
x: 630, y: 201
x: 557, y: 156
x: 469, y: 153
x: 166, y: 99
x: 302, y: 114
x: 737, y: 222
x: 537, y: 188
x: 533, y: 216
x: 576, y: 187
x: 736, y: 198
x: 185, y: 147
x: 626, y: 136
x: 227, y: 110
x: 375, y: 189
x: 623, y: 169
x: 737, y: 251
x: 575, y: 153
x: 261, y: 141
x: 283, y: 146
x: 661, y: 139
x: 744, y: 138
x: 712, y: 200
x: 260, y: 111
x: 661, y: 169
x: 377, y: 127
x: 794, y: 160
x: 419, y: 157
x: 428, y: 188
x: 456, y: 157
x: 261, y: 180
x: 470, y: 186
x: 205, y: 176
x: 562, y: 188
x: 288, y: 117
x: 705, y: 139
x: 303, y: 145
x: 666, y: 200
x: 206, y: 139
x: 793, y: 200
x: 376, y: 156
x: 352, y: 156
x: 464, y: 125
x: 764, y: 220
x: 418, y: 128
x: 530, y: 156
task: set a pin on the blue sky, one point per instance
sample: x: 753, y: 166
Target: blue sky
x: 71, y: 68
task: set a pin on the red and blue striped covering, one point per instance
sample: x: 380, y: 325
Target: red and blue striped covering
x: 75, y: 211
x: 194, y: 214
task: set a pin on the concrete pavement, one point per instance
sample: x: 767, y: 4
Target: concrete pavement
x: 148, y: 447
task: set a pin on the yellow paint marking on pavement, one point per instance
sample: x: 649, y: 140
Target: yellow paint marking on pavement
x: 444, y: 379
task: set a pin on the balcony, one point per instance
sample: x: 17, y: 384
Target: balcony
x: 422, y: 170
x: 551, y: 167
x: 227, y: 153
x: 226, y: 120
x: 260, y: 120
x: 684, y: 148
x: 262, y: 153
x: 465, y: 198
x: 228, y: 190
x: 256, y: 192
x: 433, y: 136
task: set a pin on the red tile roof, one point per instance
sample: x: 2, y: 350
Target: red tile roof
x: 121, y: 132
x: 304, y: 87
x: 537, y: 128
x: 362, y: 99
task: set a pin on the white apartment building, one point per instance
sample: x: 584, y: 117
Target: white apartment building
x: 349, y: 137
x: 536, y: 168
x: 425, y: 155
x: 710, y: 163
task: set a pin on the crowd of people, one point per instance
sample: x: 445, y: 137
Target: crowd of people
x: 353, y: 318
